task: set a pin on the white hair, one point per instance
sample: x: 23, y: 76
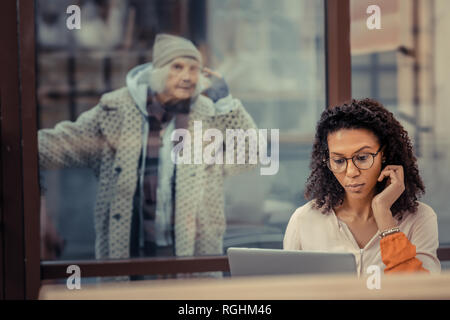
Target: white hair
x: 158, y: 78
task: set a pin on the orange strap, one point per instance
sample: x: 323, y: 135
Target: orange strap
x: 399, y: 254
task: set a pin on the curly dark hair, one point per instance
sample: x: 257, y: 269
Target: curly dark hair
x: 322, y: 185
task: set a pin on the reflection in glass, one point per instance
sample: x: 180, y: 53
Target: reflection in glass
x: 271, y: 55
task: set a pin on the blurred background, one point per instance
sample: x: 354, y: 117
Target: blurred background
x: 273, y: 58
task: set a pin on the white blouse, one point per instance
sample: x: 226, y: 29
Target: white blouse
x: 310, y: 230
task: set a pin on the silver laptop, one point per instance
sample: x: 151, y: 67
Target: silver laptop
x: 254, y: 262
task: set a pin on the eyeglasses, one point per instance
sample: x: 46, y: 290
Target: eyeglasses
x: 363, y: 161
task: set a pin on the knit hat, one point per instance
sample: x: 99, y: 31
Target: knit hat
x: 168, y: 47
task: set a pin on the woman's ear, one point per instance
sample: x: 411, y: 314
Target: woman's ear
x: 158, y: 77
x: 383, y: 156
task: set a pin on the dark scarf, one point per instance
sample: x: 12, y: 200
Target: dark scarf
x: 159, y: 116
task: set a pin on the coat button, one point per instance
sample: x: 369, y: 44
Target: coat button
x: 118, y: 169
x: 117, y: 216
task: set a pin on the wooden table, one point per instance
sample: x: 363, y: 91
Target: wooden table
x: 416, y: 286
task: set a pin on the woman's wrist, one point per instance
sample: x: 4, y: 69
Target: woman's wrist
x: 388, y: 232
x: 386, y: 225
x: 384, y: 220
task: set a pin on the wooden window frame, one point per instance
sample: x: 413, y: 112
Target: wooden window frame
x: 337, y: 52
x: 21, y: 271
x: 19, y: 230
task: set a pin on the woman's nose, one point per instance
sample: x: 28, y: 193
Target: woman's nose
x: 352, y: 170
x: 185, y: 76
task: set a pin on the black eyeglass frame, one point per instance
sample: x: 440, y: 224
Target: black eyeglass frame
x: 327, y: 161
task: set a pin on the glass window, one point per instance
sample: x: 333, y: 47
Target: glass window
x: 272, y: 57
x: 408, y: 73
x: 375, y: 75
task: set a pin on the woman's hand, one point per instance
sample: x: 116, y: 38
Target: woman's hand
x: 382, y: 202
x: 210, y: 73
x: 219, y: 88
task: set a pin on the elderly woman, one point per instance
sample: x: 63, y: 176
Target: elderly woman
x: 363, y: 188
x: 146, y: 204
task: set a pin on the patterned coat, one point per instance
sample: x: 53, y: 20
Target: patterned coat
x: 108, y: 139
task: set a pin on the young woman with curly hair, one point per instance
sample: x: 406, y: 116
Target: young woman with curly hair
x: 363, y: 191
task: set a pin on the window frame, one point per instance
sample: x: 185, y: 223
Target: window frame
x: 20, y: 277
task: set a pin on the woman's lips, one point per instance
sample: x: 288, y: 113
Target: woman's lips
x: 355, y: 187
